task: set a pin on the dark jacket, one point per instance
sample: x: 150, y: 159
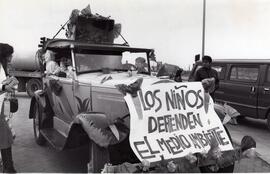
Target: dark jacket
x: 6, y: 138
x: 204, y: 73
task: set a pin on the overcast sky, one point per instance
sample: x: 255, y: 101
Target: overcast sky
x: 234, y: 28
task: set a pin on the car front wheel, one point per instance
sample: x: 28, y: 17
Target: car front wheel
x: 268, y: 121
x: 240, y: 119
x: 40, y: 140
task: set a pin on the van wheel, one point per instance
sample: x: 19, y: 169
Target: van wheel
x: 32, y: 85
x: 98, y: 157
x: 40, y: 140
x: 240, y: 119
x: 228, y: 169
x: 268, y: 121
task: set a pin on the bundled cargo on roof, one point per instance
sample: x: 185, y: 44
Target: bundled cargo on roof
x: 85, y: 26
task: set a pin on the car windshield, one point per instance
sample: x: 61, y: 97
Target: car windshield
x: 95, y: 62
x: 89, y: 62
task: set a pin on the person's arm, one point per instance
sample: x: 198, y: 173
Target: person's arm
x: 8, y: 85
x: 2, y: 87
x: 7, y: 88
x: 217, y: 83
x: 216, y: 80
x: 56, y: 68
x: 197, y: 76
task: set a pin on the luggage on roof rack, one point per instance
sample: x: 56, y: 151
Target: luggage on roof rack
x: 92, y: 28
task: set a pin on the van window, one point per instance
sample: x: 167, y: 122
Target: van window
x: 268, y: 75
x: 220, y: 70
x: 244, y: 73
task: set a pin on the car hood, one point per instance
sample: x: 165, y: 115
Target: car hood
x: 115, y: 78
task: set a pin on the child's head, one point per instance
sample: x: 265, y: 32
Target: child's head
x: 140, y: 62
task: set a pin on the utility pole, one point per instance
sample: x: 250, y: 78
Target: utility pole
x: 203, y: 29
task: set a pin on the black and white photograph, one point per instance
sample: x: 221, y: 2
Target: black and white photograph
x: 125, y: 86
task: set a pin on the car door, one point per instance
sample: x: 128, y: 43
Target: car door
x: 61, y: 93
x: 241, y: 88
x: 264, y: 92
x: 82, y: 96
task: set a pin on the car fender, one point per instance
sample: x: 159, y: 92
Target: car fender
x: 100, y: 130
x: 40, y: 99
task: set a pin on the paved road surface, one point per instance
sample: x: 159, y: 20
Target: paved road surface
x: 258, y: 130
x: 29, y: 157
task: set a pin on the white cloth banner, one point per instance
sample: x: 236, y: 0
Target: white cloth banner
x: 173, y: 120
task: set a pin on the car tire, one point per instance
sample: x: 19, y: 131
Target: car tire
x: 32, y: 85
x: 268, y: 121
x: 39, y: 138
x: 228, y: 169
x: 98, y: 157
x: 240, y: 119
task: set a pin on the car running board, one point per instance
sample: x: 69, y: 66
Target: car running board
x: 52, y: 136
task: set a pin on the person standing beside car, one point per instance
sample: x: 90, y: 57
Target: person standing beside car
x: 207, y: 72
x: 6, y: 85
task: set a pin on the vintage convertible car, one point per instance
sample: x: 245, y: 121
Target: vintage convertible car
x: 82, y: 105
